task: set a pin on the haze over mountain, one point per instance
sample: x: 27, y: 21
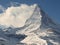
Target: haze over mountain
x: 28, y: 25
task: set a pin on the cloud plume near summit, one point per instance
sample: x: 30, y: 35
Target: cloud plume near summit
x: 16, y: 16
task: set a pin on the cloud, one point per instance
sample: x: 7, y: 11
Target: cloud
x: 16, y: 16
x: 2, y: 9
x: 14, y: 4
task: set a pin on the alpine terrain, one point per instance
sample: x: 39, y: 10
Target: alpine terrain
x: 28, y: 25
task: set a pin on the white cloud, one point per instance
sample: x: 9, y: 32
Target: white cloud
x: 16, y: 16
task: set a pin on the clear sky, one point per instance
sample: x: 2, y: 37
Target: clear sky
x: 51, y: 7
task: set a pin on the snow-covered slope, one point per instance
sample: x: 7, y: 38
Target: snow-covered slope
x: 41, y: 26
x: 32, y: 27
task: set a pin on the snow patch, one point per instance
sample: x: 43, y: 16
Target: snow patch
x: 32, y: 38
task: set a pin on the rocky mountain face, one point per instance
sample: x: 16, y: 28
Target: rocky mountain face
x: 38, y: 29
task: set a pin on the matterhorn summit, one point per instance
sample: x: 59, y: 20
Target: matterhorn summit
x: 28, y: 25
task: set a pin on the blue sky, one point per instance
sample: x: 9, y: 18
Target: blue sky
x: 51, y: 7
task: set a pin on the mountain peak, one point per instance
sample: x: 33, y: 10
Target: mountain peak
x: 38, y: 20
x: 29, y: 20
